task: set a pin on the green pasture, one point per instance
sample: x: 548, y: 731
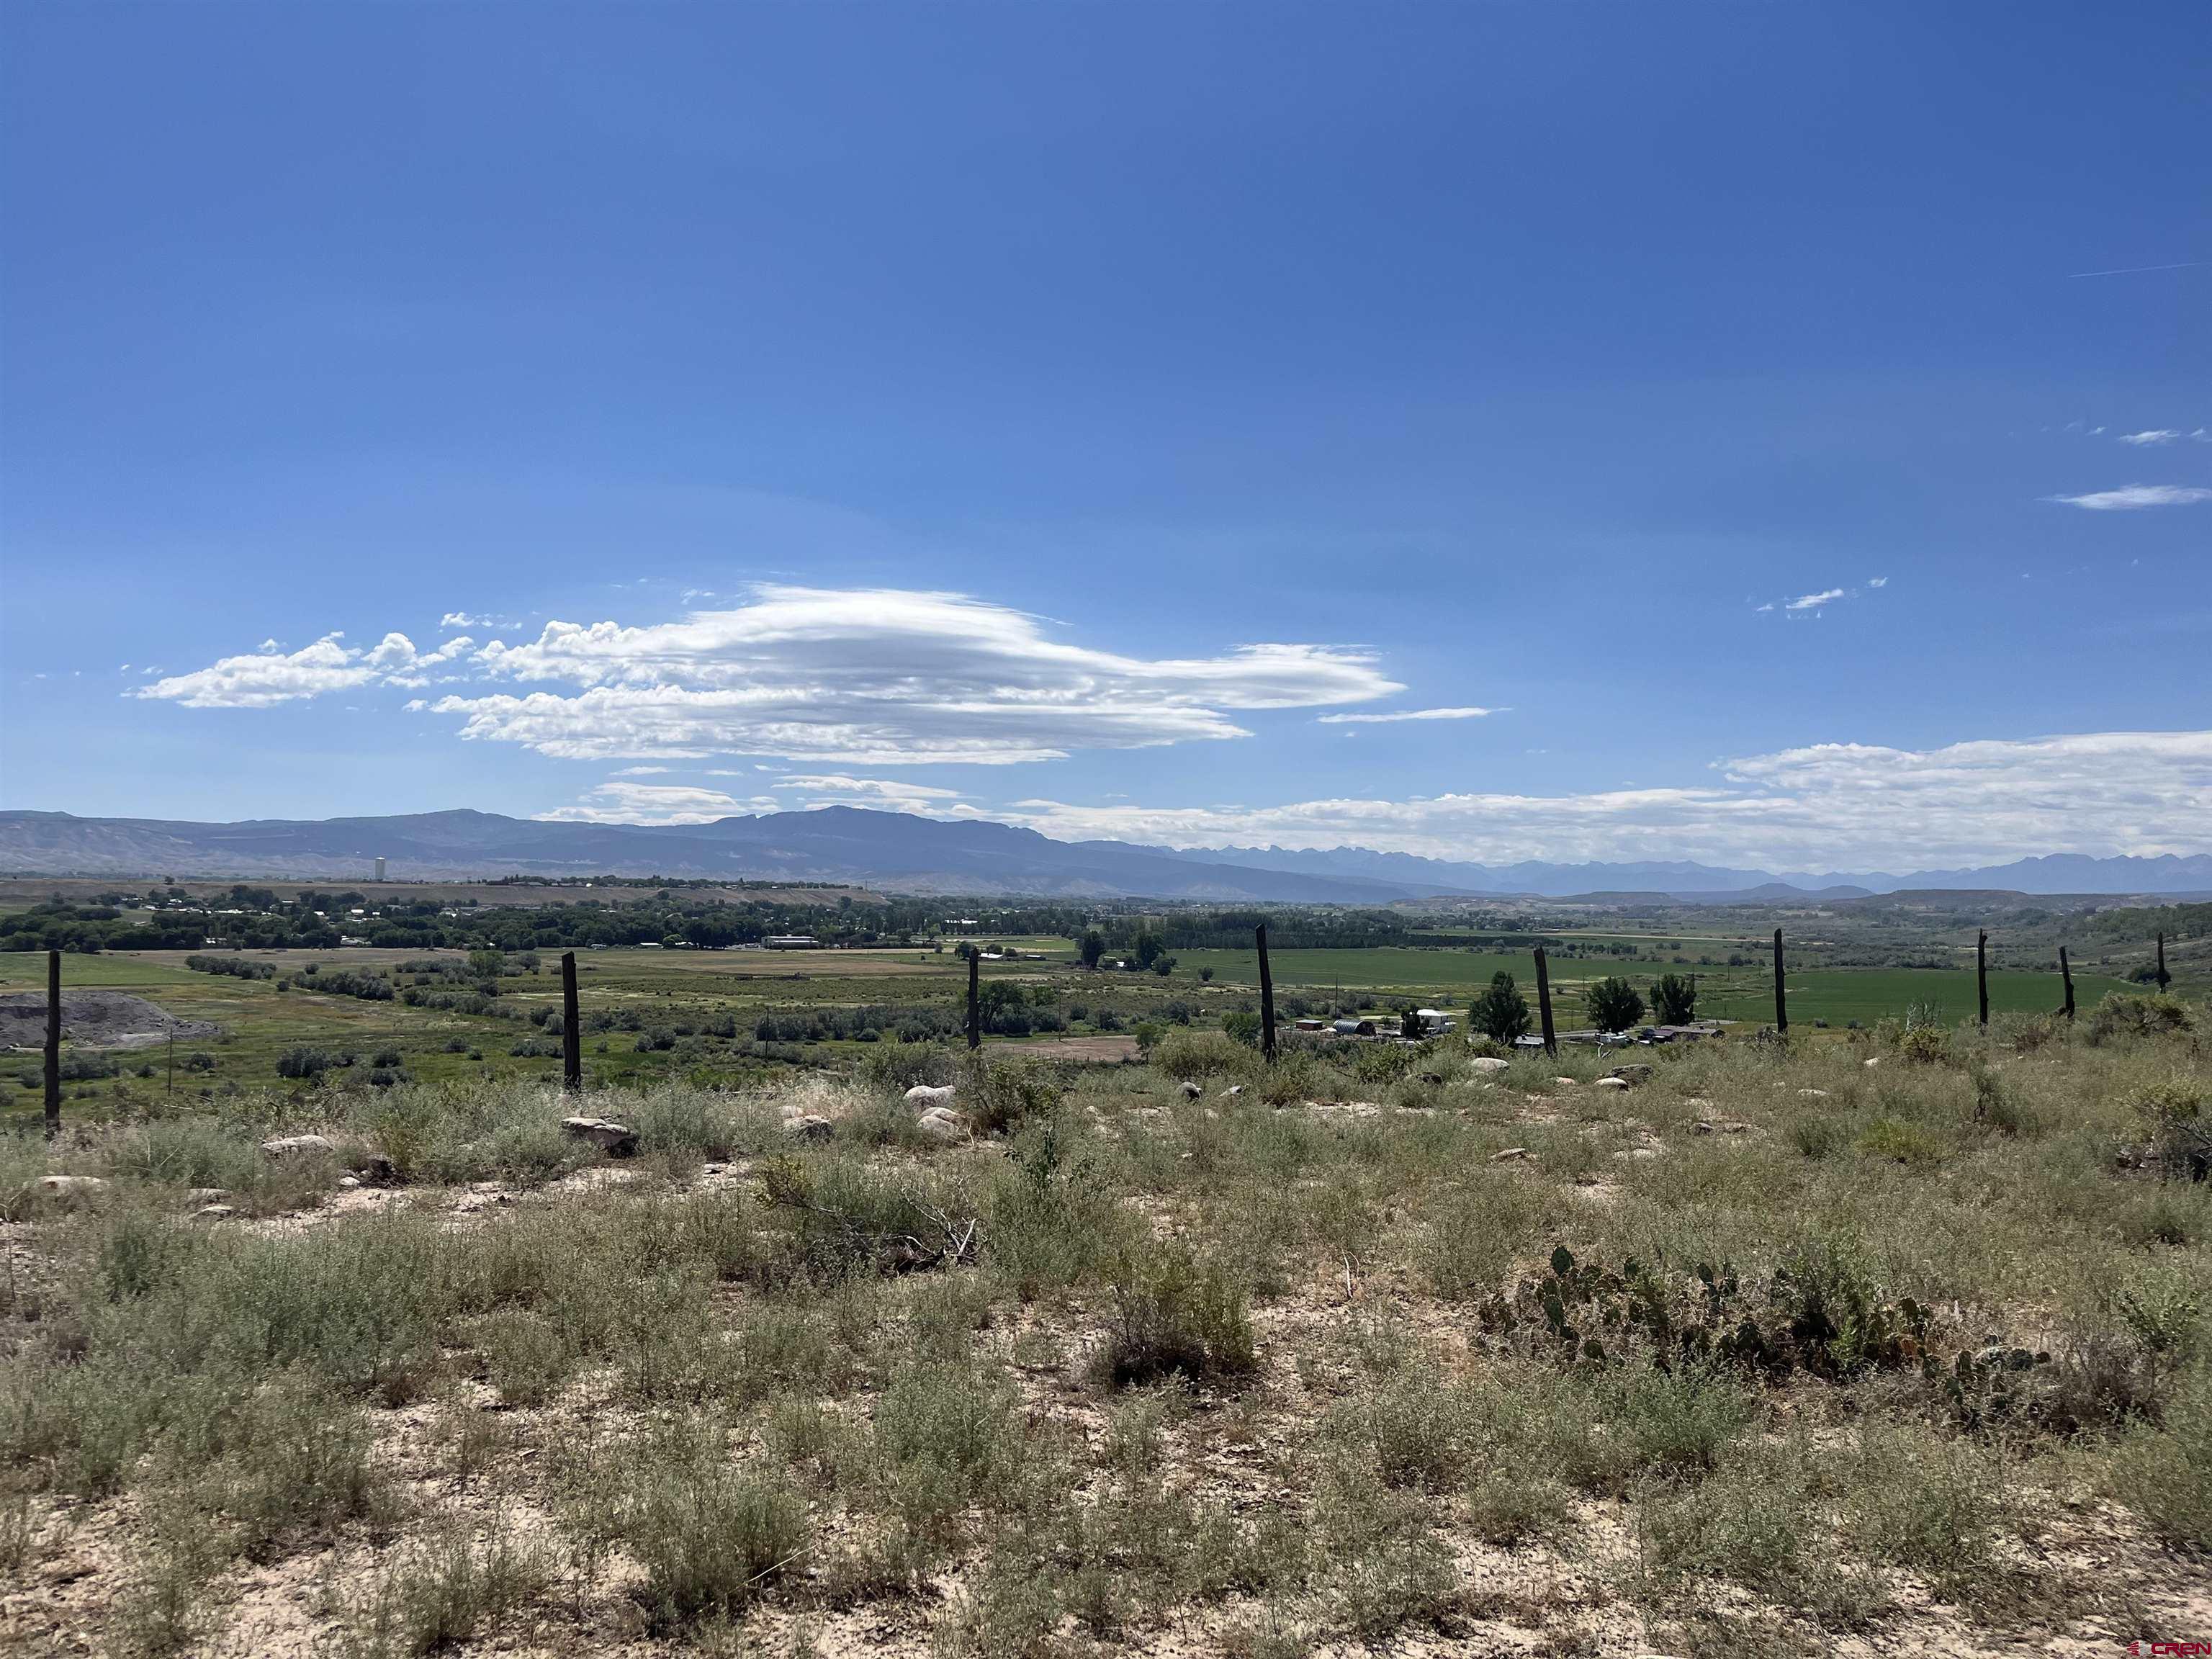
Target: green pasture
x: 1835, y: 994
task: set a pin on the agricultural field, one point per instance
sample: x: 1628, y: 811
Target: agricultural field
x: 733, y: 1016
x: 1837, y: 995
x: 1381, y: 1349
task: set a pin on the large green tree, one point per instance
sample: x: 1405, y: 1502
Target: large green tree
x: 1501, y: 1012
x: 1614, y: 1005
x: 1675, y: 999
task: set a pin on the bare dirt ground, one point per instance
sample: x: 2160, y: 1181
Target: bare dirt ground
x: 95, y: 1019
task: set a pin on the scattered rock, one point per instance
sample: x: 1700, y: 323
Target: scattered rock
x: 72, y: 1188
x: 1635, y: 1073
x: 1233, y: 1091
x: 207, y: 1195
x: 1486, y: 1063
x: 1701, y: 1126
x: 1872, y: 1060
x: 1612, y: 1083
x: 294, y: 1145
x: 348, y: 1182
x: 1706, y: 1127
x: 1433, y: 1079
x: 1191, y: 1090
x: 1566, y: 1082
x: 942, y: 1125
x: 616, y: 1139
x: 809, y: 1125
x: 1511, y: 1155
x: 215, y: 1212
x: 1812, y: 1094
x: 925, y: 1095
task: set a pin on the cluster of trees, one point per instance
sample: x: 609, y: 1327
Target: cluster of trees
x: 342, y: 982
x: 1612, y: 1003
x: 235, y: 967
x: 1144, y: 951
x: 89, y: 929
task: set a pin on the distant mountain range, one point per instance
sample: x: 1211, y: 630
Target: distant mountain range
x: 901, y: 852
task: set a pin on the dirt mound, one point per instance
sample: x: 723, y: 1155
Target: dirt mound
x: 95, y: 1019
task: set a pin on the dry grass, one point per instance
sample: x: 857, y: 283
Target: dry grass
x: 1299, y: 1370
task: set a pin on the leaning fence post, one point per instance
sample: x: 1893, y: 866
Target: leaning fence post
x: 1544, y: 1002
x: 1982, y: 971
x: 975, y: 998
x: 2163, y: 977
x: 572, y: 1027
x: 54, y: 1044
x: 1781, y: 1007
x: 2066, y: 976
x: 1266, y: 995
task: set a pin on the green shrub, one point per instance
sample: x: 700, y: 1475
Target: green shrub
x: 2130, y: 1014
x: 1191, y: 1054
x: 1176, y: 1314
x: 2165, y: 1473
x: 710, y: 1535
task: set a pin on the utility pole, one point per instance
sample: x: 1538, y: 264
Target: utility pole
x: 1544, y: 1002
x: 975, y: 998
x: 1266, y: 996
x: 1781, y: 1006
x: 54, y: 1044
x: 572, y: 1028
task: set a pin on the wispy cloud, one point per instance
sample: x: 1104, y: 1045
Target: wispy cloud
x: 1828, y: 807
x: 836, y: 789
x: 2128, y: 497
x: 615, y: 802
x: 1408, y: 714
x: 2154, y: 436
x: 463, y: 619
x: 1814, y: 601
x: 2135, y: 270
x: 1877, y: 581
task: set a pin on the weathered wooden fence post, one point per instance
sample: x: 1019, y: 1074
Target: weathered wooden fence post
x: 1266, y: 995
x: 1544, y: 1002
x: 54, y: 1044
x: 975, y: 997
x: 572, y: 1027
x: 2066, y: 976
x: 1982, y: 971
x: 1781, y: 1006
x: 2164, y: 978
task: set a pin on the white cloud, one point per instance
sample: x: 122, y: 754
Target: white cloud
x: 1877, y: 581
x: 894, y: 794
x: 644, y: 771
x: 884, y: 677
x: 877, y: 677
x: 653, y: 802
x: 2146, y: 439
x: 1848, y: 806
x: 463, y: 619
x: 1814, y: 601
x: 1407, y: 714
x: 262, y: 679
x: 2136, y: 495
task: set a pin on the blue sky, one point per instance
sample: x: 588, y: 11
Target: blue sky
x: 1069, y: 414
